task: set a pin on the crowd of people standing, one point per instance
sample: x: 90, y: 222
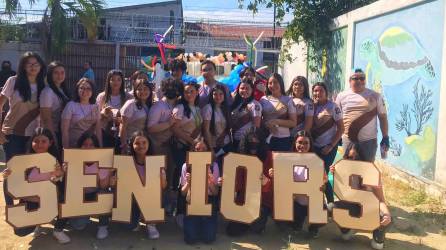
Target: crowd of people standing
x: 44, y: 116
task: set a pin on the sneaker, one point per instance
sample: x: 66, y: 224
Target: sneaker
x: 376, y: 245
x: 179, y: 219
x: 152, y: 232
x: 37, y: 232
x: 102, y: 232
x: 347, y: 234
x: 61, y: 237
x: 330, y: 207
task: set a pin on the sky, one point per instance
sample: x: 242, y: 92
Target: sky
x: 214, y: 9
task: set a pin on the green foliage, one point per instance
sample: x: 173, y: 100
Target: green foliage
x: 311, y: 22
x: 9, y: 32
x: 55, y: 28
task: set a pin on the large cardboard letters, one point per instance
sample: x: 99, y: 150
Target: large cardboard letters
x: 285, y: 187
x: 345, y: 171
x: 199, y: 163
x: 250, y: 210
x: 77, y: 181
x: 147, y: 195
x: 19, y: 187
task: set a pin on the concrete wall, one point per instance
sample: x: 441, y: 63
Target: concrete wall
x: 401, y: 47
x: 12, y: 51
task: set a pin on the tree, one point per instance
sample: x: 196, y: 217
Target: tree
x: 312, y: 19
x: 56, y: 20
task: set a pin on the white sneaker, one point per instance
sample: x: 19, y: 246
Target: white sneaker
x: 37, y: 232
x: 61, y: 237
x: 330, y: 207
x: 376, y: 245
x: 152, y: 232
x: 348, y: 235
x: 179, y: 218
x: 102, y: 232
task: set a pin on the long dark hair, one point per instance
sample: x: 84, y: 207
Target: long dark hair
x: 63, y: 96
x: 223, y: 106
x: 139, y: 104
x: 279, y: 78
x: 132, y: 140
x: 304, y: 81
x: 87, y: 135
x: 107, y: 89
x: 22, y: 84
x: 53, y: 150
x: 238, y: 98
x: 246, y: 143
x: 76, y: 90
x: 187, y: 110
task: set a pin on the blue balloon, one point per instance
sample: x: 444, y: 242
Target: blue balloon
x: 188, y: 79
x: 234, y: 77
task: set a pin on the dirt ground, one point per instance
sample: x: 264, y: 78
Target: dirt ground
x: 419, y: 222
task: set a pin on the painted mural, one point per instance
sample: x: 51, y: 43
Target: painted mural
x: 401, y: 55
x: 332, y: 68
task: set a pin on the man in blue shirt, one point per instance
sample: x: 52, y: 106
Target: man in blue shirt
x: 88, y: 71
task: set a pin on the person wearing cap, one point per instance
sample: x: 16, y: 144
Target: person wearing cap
x: 361, y: 108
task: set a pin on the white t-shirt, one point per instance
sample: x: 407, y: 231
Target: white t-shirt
x: 273, y: 108
x: 82, y: 118
x: 322, y: 115
x: 220, y: 123
x: 136, y: 117
x: 303, y: 107
x: 353, y: 105
x: 49, y: 99
x: 254, y: 109
x: 160, y: 112
x: 114, y: 102
x: 20, y: 111
x: 191, y: 123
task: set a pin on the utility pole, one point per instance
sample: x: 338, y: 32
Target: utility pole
x: 273, y: 43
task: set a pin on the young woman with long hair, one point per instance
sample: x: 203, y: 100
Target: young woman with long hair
x: 327, y: 130
x: 217, y: 123
x: 81, y: 115
x: 279, y: 114
x: 53, y: 99
x: 300, y: 92
x: 110, y: 101
x: 42, y: 141
x: 23, y: 93
x: 139, y: 149
x: 135, y: 113
x: 246, y: 112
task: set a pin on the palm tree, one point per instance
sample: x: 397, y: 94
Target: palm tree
x: 56, y: 20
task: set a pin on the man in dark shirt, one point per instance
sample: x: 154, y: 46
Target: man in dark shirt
x: 6, y: 72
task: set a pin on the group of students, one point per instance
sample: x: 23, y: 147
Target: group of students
x: 170, y: 120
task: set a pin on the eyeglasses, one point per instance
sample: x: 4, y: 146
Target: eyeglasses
x: 360, y: 78
x: 33, y: 65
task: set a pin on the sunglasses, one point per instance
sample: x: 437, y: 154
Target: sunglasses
x: 360, y: 78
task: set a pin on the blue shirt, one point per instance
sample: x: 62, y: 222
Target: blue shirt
x: 89, y: 74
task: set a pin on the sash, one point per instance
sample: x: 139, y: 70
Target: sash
x: 359, y: 123
x: 25, y: 120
